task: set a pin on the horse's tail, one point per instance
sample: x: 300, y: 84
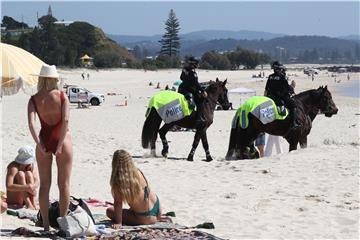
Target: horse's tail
x: 233, y: 140
x: 150, y: 128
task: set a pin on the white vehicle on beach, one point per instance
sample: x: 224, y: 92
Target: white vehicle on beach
x: 311, y: 71
x: 78, y: 94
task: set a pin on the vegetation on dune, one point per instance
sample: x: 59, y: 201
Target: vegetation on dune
x: 64, y: 45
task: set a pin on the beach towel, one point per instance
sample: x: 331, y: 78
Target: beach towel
x: 261, y: 107
x: 170, y: 105
x: 97, y: 203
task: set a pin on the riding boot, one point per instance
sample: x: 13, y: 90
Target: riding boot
x: 293, y: 116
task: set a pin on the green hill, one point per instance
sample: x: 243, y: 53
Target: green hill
x: 64, y: 45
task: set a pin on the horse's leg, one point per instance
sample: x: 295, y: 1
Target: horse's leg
x: 232, y: 144
x: 206, y: 146
x: 303, y: 142
x: 241, y: 152
x: 153, y: 140
x: 253, y: 152
x: 293, y: 145
x: 198, y: 134
x: 162, y: 132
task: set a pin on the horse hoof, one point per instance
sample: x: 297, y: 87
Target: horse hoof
x: 164, y: 153
x: 209, y: 159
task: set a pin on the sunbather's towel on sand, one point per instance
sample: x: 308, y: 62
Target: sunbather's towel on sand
x: 263, y: 108
x: 160, y: 234
x: 170, y: 105
x: 159, y: 230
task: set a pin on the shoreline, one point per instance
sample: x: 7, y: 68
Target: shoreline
x: 351, y: 88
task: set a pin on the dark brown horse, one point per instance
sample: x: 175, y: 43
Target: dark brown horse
x: 217, y: 93
x: 309, y: 104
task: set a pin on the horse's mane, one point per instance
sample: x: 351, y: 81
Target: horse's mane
x: 211, y: 83
x: 300, y: 96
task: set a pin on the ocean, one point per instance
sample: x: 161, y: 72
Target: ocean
x: 351, y: 89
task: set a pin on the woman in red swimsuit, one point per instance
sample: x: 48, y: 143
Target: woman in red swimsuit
x: 52, y: 107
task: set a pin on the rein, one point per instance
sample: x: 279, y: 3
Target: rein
x: 209, y: 99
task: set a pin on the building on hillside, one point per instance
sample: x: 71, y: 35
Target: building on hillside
x: 87, y: 61
x: 63, y: 22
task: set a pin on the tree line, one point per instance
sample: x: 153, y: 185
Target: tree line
x: 64, y: 45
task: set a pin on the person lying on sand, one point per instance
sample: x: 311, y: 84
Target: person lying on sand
x: 22, y: 179
x: 129, y: 185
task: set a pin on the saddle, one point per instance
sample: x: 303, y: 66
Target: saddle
x: 280, y: 105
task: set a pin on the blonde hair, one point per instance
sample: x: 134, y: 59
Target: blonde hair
x: 47, y: 83
x: 124, y: 177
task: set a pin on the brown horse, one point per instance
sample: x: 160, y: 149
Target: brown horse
x: 217, y: 93
x: 309, y: 104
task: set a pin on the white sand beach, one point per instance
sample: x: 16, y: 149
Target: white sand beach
x: 308, y: 193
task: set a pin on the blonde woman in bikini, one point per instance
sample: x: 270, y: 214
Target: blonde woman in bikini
x: 129, y: 185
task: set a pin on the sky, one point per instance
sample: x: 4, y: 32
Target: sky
x: 148, y: 17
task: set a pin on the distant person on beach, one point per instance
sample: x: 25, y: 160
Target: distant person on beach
x: 293, y: 85
x: 272, y: 141
x: 83, y: 76
x: 190, y: 86
x: 52, y: 107
x: 22, y: 179
x: 260, y: 143
x: 278, y: 89
x: 348, y: 77
x: 129, y: 185
x: 88, y: 76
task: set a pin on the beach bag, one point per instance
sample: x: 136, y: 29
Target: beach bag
x: 54, y: 211
x: 77, y: 223
x: 83, y: 205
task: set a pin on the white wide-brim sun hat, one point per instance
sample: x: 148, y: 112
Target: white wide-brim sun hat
x: 26, y: 155
x: 48, y: 71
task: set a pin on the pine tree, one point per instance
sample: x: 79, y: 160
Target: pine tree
x: 170, y: 42
x: 49, y: 11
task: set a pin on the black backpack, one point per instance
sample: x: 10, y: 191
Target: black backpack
x: 54, y: 211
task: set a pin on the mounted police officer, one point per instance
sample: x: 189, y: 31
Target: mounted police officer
x: 191, y: 88
x: 278, y: 89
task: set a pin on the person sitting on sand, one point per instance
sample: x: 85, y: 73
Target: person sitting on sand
x: 22, y: 179
x: 3, y: 204
x: 129, y: 185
